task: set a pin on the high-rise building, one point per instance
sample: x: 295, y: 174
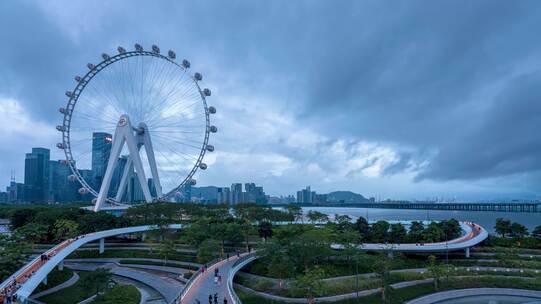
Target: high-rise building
x: 3, y: 197
x: 305, y: 196
x: 15, y: 192
x: 208, y: 195
x: 36, y: 176
x: 223, y: 195
x: 62, y: 189
x: 236, y: 193
x: 117, y: 175
x: 101, y: 148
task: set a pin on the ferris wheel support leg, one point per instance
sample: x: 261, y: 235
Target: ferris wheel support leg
x: 124, y: 180
x: 152, y: 162
x: 118, y: 142
x: 138, y: 164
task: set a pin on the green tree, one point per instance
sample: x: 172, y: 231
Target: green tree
x: 343, y: 221
x: 317, y: 217
x: 21, y: 217
x: 502, y: 227
x: 436, y: 270
x: 433, y: 233
x: 416, y: 232
x: 265, y: 230
x: 536, y: 233
x: 12, y: 254
x: 64, y: 229
x: 398, y: 233
x: 166, y: 249
x: 451, y: 229
x: 33, y: 233
x: 278, y: 263
x: 99, y: 279
x: 380, y: 231
x: 382, y: 269
x: 518, y: 230
x: 310, y: 283
x: 294, y: 211
x: 208, y: 250
x: 362, y: 226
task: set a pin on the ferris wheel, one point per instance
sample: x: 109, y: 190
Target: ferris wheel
x: 136, y: 127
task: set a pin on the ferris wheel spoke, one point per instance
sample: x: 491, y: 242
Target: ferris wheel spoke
x: 149, y: 88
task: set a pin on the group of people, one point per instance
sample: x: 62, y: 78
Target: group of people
x: 214, y: 299
x: 7, y: 294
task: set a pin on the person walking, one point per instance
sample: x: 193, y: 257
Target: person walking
x: 225, y: 300
x: 210, y: 299
x: 216, y: 298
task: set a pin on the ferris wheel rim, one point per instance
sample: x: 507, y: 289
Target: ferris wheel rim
x: 79, y: 88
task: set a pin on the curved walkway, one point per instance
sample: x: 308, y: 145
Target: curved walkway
x: 25, y: 280
x: 204, y: 284
x: 461, y: 293
x: 166, y: 287
x: 472, y: 234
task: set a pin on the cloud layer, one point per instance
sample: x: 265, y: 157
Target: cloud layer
x: 403, y: 100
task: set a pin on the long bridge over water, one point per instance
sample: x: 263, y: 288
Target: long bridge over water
x: 495, y: 207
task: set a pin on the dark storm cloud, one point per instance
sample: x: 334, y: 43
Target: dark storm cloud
x: 435, y: 79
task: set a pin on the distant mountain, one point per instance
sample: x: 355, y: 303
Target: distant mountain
x: 346, y: 197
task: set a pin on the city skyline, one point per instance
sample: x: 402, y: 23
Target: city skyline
x: 438, y: 111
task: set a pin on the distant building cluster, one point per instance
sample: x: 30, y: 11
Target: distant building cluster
x: 224, y: 195
x: 51, y: 181
x: 306, y: 196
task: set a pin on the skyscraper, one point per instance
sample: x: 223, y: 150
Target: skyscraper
x: 101, y: 148
x: 62, y: 189
x: 36, y: 176
x: 236, y: 193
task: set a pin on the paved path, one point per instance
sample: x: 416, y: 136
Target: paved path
x: 58, y: 287
x: 166, y: 286
x: 204, y: 284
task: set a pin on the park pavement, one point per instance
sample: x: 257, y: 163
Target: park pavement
x: 205, y: 285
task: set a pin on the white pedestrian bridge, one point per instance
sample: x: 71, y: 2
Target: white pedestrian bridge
x: 23, y: 282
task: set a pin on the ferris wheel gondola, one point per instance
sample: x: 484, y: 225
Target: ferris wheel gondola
x: 136, y: 113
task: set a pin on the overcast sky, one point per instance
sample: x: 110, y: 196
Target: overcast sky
x: 394, y: 99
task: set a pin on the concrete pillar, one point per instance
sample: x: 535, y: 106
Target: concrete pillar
x: 102, y: 246
x: 467, y: 252
x: 144, y: 237
x: 61, y: 265
x: 44, y: 281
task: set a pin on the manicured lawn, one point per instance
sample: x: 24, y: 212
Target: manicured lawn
x: 408, y: 293
x: 125, y: 294
x: 54, y: 278
x: 72, y: 294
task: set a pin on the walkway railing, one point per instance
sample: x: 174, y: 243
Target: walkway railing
x: 241, y: 262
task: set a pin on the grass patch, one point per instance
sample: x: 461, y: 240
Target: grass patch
x: 125, y: 294
x: 55, y: 278
x: 73, y: 294
x: 404, y: 294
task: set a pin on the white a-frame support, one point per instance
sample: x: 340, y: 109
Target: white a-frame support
x: 134, y: 138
